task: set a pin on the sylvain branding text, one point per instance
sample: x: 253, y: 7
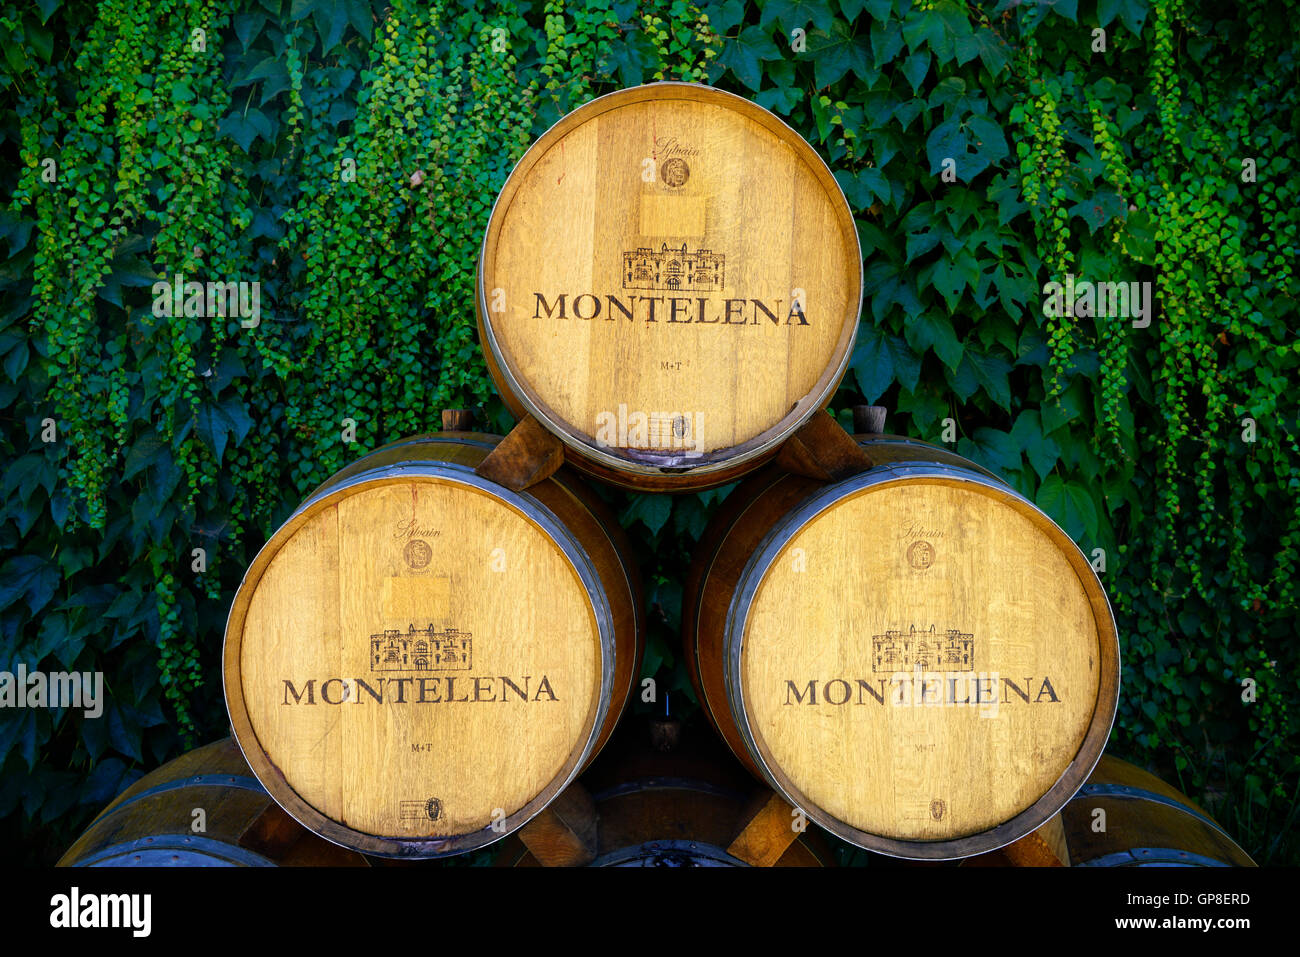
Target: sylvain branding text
x: 435, y: 689
x: 680, y: 310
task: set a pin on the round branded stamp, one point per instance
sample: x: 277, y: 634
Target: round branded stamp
x: 920, y: 554
x: 417, y: 553
x: 675, y: 172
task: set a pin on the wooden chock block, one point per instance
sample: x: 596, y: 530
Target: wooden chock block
x: 1045, y: 847
x: 528, y: 455
x: 767, y: 829
x: 564, y: 834
x: 821, y: 449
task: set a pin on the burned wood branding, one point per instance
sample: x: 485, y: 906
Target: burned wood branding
x: 670, y: 310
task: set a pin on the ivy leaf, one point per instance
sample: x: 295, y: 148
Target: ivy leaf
x: 148, y: 448
x: 933, y: 330
x: 1005, y: 191
x: 123, y: 731
x: 873, y: 367
x: 1066, y: 407
x: 879, y: 9
x: 792, y: 14
x: 1043, y: 453
x: 331, y: 18
x: 31, y: 576
x: 915, y: 67
x: 1140, y: 237
x: 247, y: 25
x: 946, y: 141
x: 1104, y: 206
x: 922, y: 27
x: 837, y: 51
x: 1132, y: 12
x: 994, y: 449
x: 245, y: 126
x: 745, y: 54
x: 1070, y: 505
x: 729, y: 15
x: 651, y: 510
x: 991, y: 372
x: 951, y: 276
x: 886, y: 41
x: 926, y: 407
x: 27, y: 472
x: 955, y: 19
x: 41, y: 39
x: 918, y: 244
x: 990, y: 48
x: 270, y: 68
x: 217, y: 422
x: 21, y: 732
x: 877, y: 363
x: 990, y: 143
x: 945, y: 278
x: 962, y: 380
x: 363, y: 21
x: 631, y: 57
x: 780, y: 99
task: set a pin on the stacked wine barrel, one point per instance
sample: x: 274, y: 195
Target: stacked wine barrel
x: 420, y: 660
x: 442, y: 637
x: 914, y: 655
x: 670, y: 284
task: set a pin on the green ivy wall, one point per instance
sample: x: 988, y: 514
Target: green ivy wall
x: 345, y: 155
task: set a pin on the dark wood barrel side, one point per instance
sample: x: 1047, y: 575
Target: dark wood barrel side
x: 153, y: 823
x: 1127, y: 817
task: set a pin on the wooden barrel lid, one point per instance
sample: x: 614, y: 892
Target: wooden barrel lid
x: 925, y: 663
x: 418, y: 661
x: 670, y: 280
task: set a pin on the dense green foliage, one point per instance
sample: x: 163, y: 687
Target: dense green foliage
x: 345, y: 154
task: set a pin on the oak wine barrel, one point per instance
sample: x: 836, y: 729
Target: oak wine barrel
x: 916, y: 656
x: 1144, y: 822
x: 419, y: 659
x: 205, y: 809
x: 670, y: 283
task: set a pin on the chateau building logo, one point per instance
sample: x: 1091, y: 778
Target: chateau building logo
x: 426, y: 649
x: 676, y: 269
x: 896, y: 650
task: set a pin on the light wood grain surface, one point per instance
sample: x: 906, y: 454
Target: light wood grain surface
x: 700, y: 205
x: 419, y: 660
x: 915, y: 655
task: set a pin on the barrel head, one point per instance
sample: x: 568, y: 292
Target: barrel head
x: 418, y: 661
x: 670, y: 282
x: 922, y: 661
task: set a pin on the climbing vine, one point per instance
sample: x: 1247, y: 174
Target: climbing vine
x: 344, y: 156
